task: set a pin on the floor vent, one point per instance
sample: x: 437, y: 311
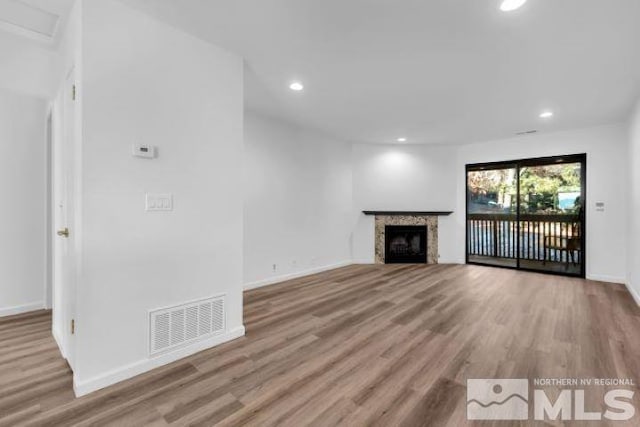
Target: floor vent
x: 174, y: 326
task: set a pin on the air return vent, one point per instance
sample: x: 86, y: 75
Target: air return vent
x: 174, y: 326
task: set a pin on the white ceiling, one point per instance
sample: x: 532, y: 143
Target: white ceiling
x: 30, y: 33
x: 40, y: 20
x: 435, y: 71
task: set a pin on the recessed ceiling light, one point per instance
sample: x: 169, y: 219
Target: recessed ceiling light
x: 297, y: 86
x: 402, y: 139
x: 509, y: 5
x: 546, y: 114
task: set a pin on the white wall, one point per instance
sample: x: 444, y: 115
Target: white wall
x: 26, y: 66
x: 433, y: 178
x: 23, y: 214
x: 146, y: 82
x: 298, y: 201
x: 402, y: 177
x: 633, y: 247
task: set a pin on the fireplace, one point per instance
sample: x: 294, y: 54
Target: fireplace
x: 411, y: 220
x: 405, y: 244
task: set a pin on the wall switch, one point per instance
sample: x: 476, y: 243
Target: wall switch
x: 158, y: 202
x: 144, y: 151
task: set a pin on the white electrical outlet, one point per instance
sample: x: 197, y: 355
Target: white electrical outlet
x: 158, y: 202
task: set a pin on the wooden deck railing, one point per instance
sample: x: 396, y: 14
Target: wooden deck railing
x: 541, y: 237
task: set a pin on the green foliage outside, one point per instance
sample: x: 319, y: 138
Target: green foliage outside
x: 540, y: 189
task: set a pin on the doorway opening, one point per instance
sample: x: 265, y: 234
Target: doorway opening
x: 528, y: 214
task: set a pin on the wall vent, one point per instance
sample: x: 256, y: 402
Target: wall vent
x: 175, y: 326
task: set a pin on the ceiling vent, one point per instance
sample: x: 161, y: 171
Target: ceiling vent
x: 179, y: 325
x: 527, y: 132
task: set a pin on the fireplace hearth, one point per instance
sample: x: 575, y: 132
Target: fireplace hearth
x: 405, y: 244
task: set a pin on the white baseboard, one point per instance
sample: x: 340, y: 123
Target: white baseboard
x: 633, y: 292
x: 451, y: 261
x: 284, y: 277
x: 363, y: 261
x: 605, y: 278
x: 82, y: 388
x: 19, y: 309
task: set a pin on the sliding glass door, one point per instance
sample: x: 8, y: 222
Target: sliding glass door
x: 492, y: 205
x: 528, y: 214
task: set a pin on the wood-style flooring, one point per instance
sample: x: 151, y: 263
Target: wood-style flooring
x: 361, y: 345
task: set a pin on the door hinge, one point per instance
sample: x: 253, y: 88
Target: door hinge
x: 73, y: 326
x: 73, y: 93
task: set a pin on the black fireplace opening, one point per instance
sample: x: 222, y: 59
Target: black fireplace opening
x: 405, y: 244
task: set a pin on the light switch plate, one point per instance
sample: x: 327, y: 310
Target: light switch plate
x: 155, y: 202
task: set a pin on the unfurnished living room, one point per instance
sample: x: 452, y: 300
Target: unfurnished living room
x: 320, y: 213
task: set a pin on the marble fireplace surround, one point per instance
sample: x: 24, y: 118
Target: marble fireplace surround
x: 426, y: 218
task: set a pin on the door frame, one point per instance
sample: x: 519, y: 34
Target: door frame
x: 49, y: 242
x: 518, y: 164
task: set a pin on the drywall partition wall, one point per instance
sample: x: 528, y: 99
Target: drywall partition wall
x: 23, y: 189
x: 402, y: 177
x: 606, y: 149
x: 145, y: 82
x: 298, y: 201
x: 633, y: 217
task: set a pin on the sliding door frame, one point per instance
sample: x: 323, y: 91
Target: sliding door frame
x: 518, y: 164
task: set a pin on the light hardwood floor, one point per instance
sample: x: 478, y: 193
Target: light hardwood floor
x: 361, y: 345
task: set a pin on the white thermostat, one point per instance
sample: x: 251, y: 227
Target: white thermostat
x: 144, y: 151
